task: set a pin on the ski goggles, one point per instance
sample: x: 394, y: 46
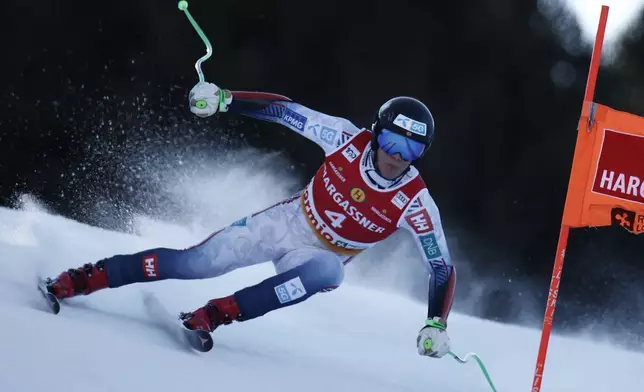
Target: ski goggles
x: 394, y: 143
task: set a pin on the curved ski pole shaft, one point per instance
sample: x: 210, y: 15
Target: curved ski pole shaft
x: 478, y: 360
x: 183, y: 6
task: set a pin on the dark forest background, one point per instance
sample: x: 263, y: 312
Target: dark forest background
x: 88, y: 87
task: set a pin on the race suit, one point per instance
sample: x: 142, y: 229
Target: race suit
x: 346, y: 208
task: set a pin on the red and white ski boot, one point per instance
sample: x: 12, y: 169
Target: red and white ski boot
x: 80, y: 281
x: 216, y: 312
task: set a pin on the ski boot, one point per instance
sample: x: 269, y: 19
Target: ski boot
x: 80, y: 281
x: 215, y: 313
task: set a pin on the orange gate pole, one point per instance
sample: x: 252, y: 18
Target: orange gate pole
x: 565, y: 229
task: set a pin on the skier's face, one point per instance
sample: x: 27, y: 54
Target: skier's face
x: 390, y: 166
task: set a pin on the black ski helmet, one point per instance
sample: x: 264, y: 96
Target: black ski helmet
x: 406, y: 116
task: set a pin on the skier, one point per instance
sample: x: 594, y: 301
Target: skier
x: 365, y: 190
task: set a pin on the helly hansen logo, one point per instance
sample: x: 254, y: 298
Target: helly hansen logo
x: 420, y: 222
x: 150, y: 267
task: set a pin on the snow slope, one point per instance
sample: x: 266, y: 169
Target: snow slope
x: 352, y: 339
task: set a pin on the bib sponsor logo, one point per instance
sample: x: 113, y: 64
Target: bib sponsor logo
x: 351, y: 153
x: 337, y: 171
x: 400, y: 200
x: 420, y: 222
x: 150, y: 267
x: 381, y: 214
x: 337, y: 218
x: 290, y: 291
x: 620, y: 168
x: 294, y: 119
x: 417, y: 127
x: 341, y: 244
x: 358, y: 195
x: 630, y: 220
x: 430, y: 246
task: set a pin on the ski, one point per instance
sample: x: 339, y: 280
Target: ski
x: 198, y: 340
x: 50, y: 299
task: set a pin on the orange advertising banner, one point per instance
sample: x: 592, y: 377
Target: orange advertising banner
x: 607, y: 180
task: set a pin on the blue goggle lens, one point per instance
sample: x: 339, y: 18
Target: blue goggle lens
x: 394, y: 143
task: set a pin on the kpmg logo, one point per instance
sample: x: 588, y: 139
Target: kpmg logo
x: 417, y: 127
x: 294, y: 119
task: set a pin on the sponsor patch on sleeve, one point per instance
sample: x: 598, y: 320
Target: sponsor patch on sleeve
x: 420, y: 222
x: 290, y: 291
x: 328, y: 134
x: 294, y: 119
x: 430, y: 246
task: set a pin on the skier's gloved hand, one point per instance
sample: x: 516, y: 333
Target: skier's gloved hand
x: 207, y: 99
x: 433, y: 340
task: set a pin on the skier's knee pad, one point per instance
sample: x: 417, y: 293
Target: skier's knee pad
x: 290, y: 287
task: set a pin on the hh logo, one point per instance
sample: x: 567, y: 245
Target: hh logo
x: 630, y: 220
x: 290, y: 291
x: 150, y: 267
x: 420, y: 222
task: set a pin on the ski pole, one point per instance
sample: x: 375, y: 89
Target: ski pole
x: 201, y: 104
x: 183, y: 6
x: 478, y: 360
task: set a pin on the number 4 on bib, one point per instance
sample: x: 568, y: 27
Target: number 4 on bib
x: 336, y: 218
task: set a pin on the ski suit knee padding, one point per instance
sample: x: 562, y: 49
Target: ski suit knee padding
x: 156, y: 264
x: 290, y: 287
